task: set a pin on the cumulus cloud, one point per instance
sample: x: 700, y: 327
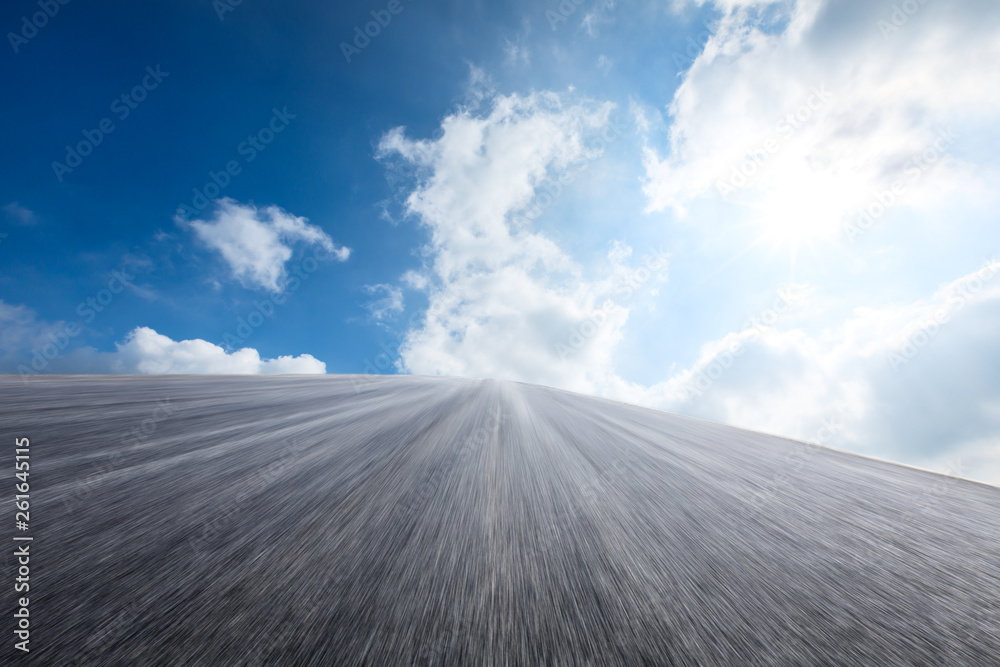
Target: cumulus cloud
x: 21, y: 331
x: 504, y: 299
x: 257, y: 243
x: 805, y: 111
x: 603, y: 12
x: 31, y: 346
x: 389, y: 304
x: 145, y: 351
x: 516, y: 52
x: 912, y: 382
x: 20, y: 215
x: 833, y: 111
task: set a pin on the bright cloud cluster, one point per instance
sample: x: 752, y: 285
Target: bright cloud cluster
x: 384, y: 307
x: 778, y: 118
x: 504, y: 299
x: 256, y: 243
x: 147, y: 352
x: 29, y: 346
x: 913, y: 382
x: 806, y: 112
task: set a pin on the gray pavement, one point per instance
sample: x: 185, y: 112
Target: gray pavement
x: 349, y: 520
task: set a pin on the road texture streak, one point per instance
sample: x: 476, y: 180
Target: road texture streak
x: 339, y: 520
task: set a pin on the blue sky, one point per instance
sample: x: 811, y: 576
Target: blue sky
x: 779, y: 215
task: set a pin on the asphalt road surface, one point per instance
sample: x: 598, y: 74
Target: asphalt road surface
x: 344, y: 520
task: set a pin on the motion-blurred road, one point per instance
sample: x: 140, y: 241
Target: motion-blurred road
x: 344, y: 520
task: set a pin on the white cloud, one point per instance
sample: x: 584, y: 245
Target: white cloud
x: 516, y: 51
x: 504, y: 298
x: 388, y: 305
x: 602, y: 13
x: 33, y: 346
x: 802, y: 114
x: 415, y: 280
x: 825, y: 112
x: 257, y: 243
x: 146, y: 352
x: 20, y: 331
x: 20, y: 215
x: 913, y: 383
x: 481, y: 88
